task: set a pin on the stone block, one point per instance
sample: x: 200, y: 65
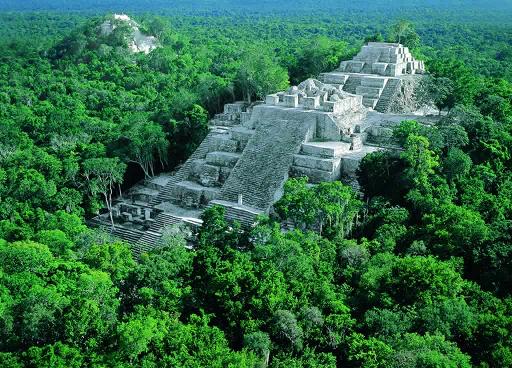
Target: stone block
x: 224, y: 174
x: 188, y: 194
x: 311, y: 103
x: 356, y: 142
x: 209, y: 177
x: 272, y: 100
x: 370, y: 102
x: 334, y: 78
x: 325, y: 149
x: 372, y: 92
x: 291, y: 100
x: 349, y: 165
x: 147, y: 214
x: 235, y: 108
x: 245, y: 117
x: 379, y: 68
x: 129, y: 208
x: 355, y: 66
x: 338, y: 107
x: 222, y: 158
x: 223, y: 143
x: 326, y: 164
x: 242, y: 136
x: 373, y: 82
x: 209, y: 194
x: 314, y: 175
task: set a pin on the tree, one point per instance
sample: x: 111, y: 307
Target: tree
x: 403, y: 32
x: 286, y: 329
x: 260, y: 343
x: 381, y: 174
x: 441, y: 92
x: 429, y: 351
x: 456, y: 164
x: 420, y: 159
x: 259, y: 75
x: 369, y: 352
x: 376, y: 37
x: 147, y: 143
x: 114, y: 258
x: 330, y: 207
x: 319, y: 55
x: 102, y: 174
x: 463, y: 85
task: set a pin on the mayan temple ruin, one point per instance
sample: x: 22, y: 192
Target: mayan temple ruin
x: 321, y: 129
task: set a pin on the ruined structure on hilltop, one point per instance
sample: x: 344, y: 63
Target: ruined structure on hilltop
x: 136, y: 40
x: 320, y: 129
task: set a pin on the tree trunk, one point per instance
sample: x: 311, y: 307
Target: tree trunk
x: 108, y: 203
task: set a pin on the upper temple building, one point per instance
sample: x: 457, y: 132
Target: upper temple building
x: 386, y: 59
x: 321, y: 129
x: 380, y: 73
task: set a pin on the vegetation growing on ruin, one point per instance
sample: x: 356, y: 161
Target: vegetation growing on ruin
x: 415, y: 274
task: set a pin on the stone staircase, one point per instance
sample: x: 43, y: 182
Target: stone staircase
x: 334, y: 78
x: 208, y: 174
x: 245, y: 215
x: 166, y: 194
x: 367, y: 68
x: 264, y: 164
x: 129, y: 235
x: 152, y: 236
x: 352, y: 83
x: 146, y: 243
x: 386, y: 98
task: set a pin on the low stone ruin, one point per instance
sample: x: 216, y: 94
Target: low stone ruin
x: 320, y: 129
x: 137, y: 41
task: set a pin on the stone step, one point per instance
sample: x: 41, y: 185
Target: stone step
x: 166, y: 194
x: 242, y: 135
x: 325, y: 149
x: 316, y: 176
x: 334, y: 78
x: 245, y: 215
x: 352, y: 66
x: 352, y: 83
x: 367, y: 68
x: 129, y: 235
x: 208, y: 175
x: 163, y: 220
x: 376, y: 82
x: 147, y: 243
x: 384, y: 103
x: 265, y: 163
x: 312, y: 162
x: 369, y: 92
x: 224, y: 123
x: 370, y: 102
x: 193, y: 195
x: 224, y: 143
x: 220, y: 158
